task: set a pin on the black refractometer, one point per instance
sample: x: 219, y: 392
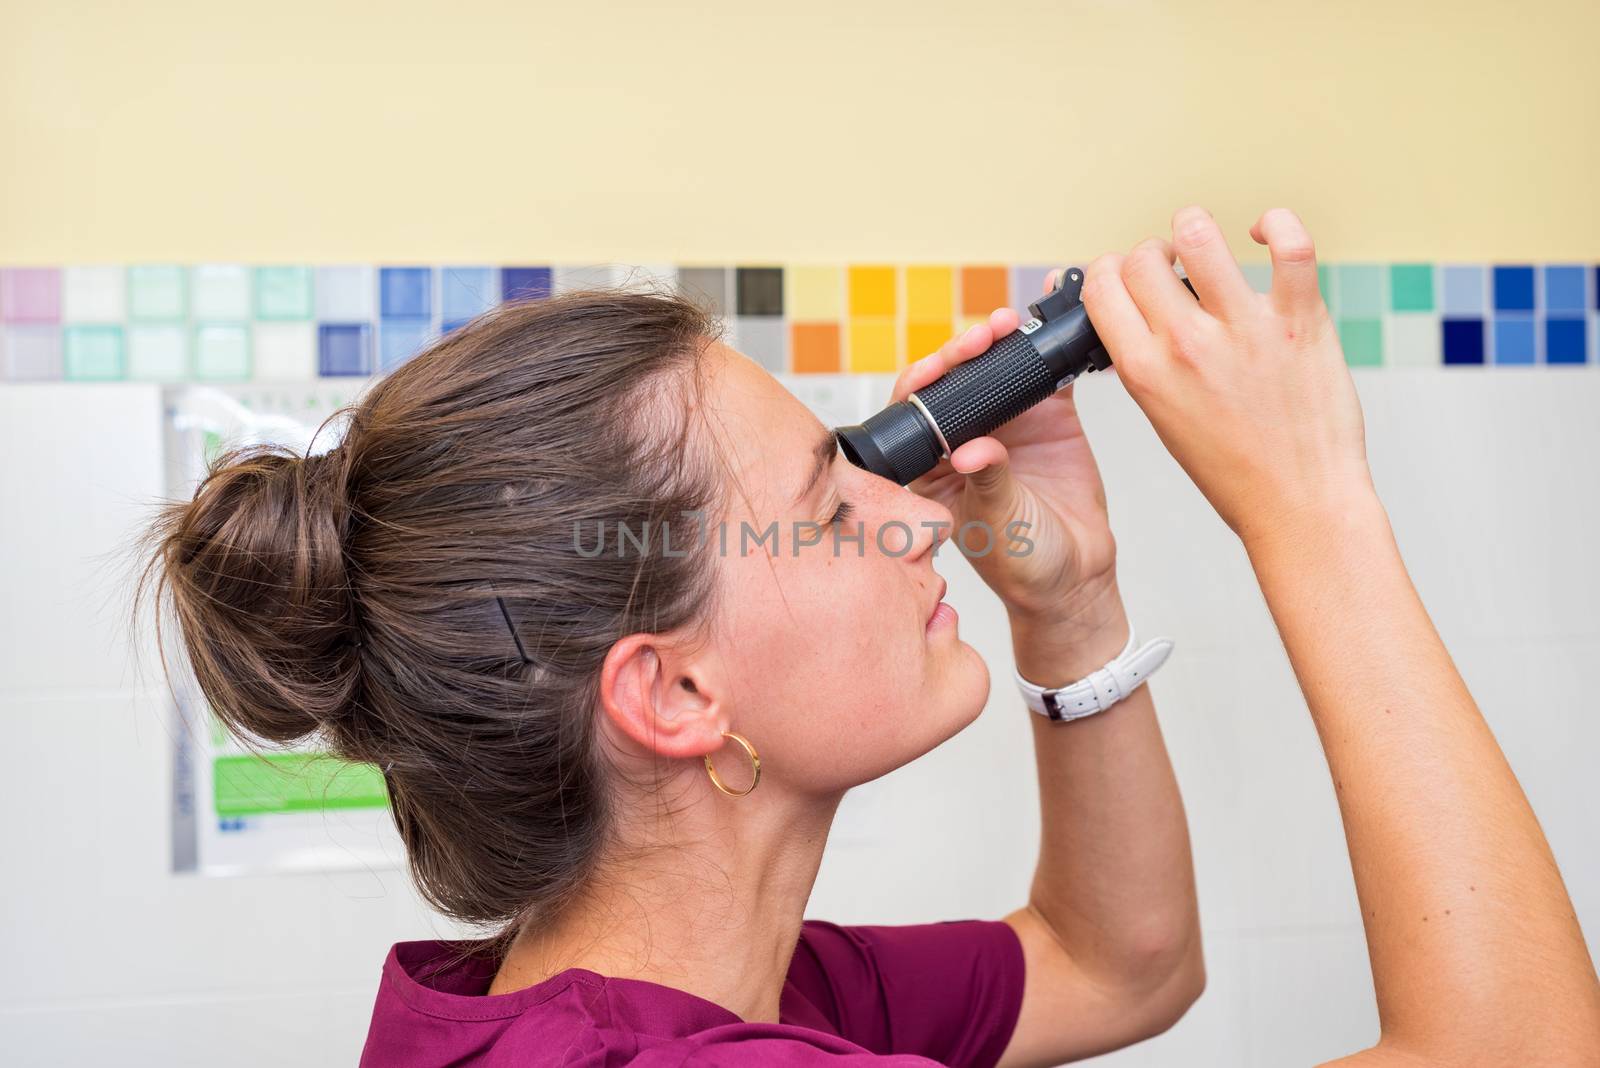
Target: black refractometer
x: 908, y: 438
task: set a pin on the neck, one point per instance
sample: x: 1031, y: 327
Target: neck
x: 707, y: 900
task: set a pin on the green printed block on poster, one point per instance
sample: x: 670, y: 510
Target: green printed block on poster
x: 293, y: 782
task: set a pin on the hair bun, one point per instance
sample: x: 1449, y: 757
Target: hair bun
x: 255, y: 570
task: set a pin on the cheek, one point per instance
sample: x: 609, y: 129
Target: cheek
x: 825, y: 643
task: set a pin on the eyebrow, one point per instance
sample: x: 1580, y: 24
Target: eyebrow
x: 822, y: 455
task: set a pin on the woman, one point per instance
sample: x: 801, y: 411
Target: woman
x: 561, y: 720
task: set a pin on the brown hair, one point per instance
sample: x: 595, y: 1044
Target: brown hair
x: 352, y: 596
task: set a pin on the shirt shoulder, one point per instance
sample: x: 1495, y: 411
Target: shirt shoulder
x: 949, y: 991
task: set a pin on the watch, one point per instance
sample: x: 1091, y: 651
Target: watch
x: 1101, y: 689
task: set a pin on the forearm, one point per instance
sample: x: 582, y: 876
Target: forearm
x: 1469, y: 928
x: 1115, y: 880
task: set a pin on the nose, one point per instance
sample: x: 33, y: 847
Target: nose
x: 932, y: 524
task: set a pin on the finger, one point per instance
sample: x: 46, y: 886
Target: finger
x: 1116, y: 318
x: 1148, y: 277
x: 1209, y: 263
x: 977, y: 340
x: 1294, y: 260
x: 1051, y: 279
x: 987, y: 467
x: 1002, y: 321
x: 929, y: 368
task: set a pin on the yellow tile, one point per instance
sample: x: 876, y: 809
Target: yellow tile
x: 923, y: 338
x: 930, y: 293
x: 815, y: 293
x: 871, y: 291
x: 970, y: 321
x: 872, y: 345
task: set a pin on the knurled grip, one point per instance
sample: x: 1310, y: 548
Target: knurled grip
x: 989, y: 390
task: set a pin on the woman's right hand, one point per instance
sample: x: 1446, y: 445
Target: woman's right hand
x: 1249, y: 391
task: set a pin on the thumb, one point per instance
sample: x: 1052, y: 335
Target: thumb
x: 987, y: 467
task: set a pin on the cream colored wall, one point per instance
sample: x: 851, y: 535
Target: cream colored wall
x: 832, y: 130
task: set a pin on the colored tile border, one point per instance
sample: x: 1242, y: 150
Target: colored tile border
x: 234, y: 322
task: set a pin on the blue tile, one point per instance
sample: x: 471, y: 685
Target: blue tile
x: 1566, y: 341
x: 1596, y: 289
x: 344, y: 349
x: 405, y: 292
x: 467, y: 292
x: 401, y: 339
x: 1513, y: 289
x: 1463, y: 340
x: 1462, y: 290
x: 1563, y: 289
x: 524, y: 283
x: 1514, y: 339
x: 451, y: 326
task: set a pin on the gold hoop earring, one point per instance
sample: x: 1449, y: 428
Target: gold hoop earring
x: 755, y: 767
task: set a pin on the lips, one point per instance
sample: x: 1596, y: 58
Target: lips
x: 943, y: 586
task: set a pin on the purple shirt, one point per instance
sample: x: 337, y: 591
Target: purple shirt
x: 946, y: 993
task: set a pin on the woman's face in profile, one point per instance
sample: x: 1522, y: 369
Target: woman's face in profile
x: 823, y: 633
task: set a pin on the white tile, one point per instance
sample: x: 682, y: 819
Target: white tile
x: 1412, y: 339
x: 325, y: 1026
x: 220, y: 292
x: 94, y: 468
x: 94, y: 295
x: 285, y: 352
x: 346, y: 294
x: 650, y: 275
x: 1308, y: 997
x: 158, y: 352
x: 598, y: 276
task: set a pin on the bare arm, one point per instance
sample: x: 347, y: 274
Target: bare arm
x: 1111, y: 930
x: 1476, y: 953
x: 1477, y: 957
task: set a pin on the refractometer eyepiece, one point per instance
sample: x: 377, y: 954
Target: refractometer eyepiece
x: 908, y: 438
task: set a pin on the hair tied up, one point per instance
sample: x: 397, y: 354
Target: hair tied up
x: 256, y: 572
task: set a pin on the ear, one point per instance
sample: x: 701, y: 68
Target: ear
x: 660, y: 698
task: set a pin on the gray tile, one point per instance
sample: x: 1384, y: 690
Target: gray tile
x: 708, y: 285
x: 762, y: 339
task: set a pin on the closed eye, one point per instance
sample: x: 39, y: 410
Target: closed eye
x: 846, y: 510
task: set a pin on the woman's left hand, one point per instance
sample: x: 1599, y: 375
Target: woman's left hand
x: 1036, y: 471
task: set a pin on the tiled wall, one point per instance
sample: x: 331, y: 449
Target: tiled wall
x: 227, y: 322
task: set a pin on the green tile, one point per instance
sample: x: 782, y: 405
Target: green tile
x: 221, y: 351
x: 158, y: 352
x: 283, y: 293
x: 1411, y: 286
x: 1363, y: 341
x: 1325, y: 283
x: 94, y: 353
x: 157, y: 293
x: 1360, y: 291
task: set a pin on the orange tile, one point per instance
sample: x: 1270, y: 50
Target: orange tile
x: 923, y: 338
x: 983, y: 289
x: 814, y: 348
x: 873, y: 346
x: 872, y: 292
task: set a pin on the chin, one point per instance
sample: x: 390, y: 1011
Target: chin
x: 969, y: 685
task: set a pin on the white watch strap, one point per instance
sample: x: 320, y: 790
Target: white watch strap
x: 1102, y: 689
